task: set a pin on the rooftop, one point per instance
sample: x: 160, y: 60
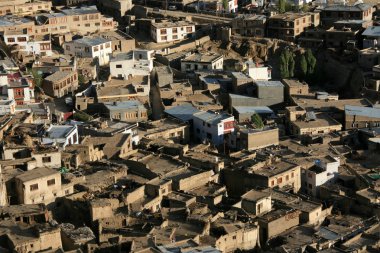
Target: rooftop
x: 58, y: 76
x: 202, y: 57
x: 212, y: 117
x: 321, y: 120
x: 254, y: 195
x: 182, y: 112
x: 253, y: 109
x: 269, y: 84
x: 369, y: 112
x: 95, y: 41
x: 81, y: 11
x: 125, y: 105
x: 59, y: 131
x: 37, y: 173
x: 169, y: 24
x: 357, y: 7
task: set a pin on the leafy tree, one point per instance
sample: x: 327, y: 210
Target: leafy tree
x: 287, y: 64
x: 37, y: 77
x: 257, y: 121
x: 225, y: 5
x: 303, y: 66
x: 82, y: 116
x: 292, y: 65
x: 311, y: 62
x: 282, y: 6
x: 81, y: 79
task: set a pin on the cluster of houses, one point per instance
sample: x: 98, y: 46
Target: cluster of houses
x: 129, y: 127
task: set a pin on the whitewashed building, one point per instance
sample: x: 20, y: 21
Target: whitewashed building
x: 258, y: 71
x: 325, y: 170
x: 7, y: 106
x: 29, y: 44
x: 167, y: 31
x: 96, y: 48
x: 212, y: 126
x: 202, y: 61
x: 137, y: 62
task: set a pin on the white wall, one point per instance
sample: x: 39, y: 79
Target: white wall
x: 170, y: 36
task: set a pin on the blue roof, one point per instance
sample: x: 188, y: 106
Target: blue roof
x: 253, y: 109
x: 182, y: 112
x: 130, y: 104
x: 362, y: 111
x: 211, y: 117
x: 372, y: 31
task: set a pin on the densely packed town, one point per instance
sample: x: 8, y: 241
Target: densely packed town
x: 184, y: 126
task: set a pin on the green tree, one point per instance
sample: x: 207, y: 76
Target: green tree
x: 287, y: 64
x: 257, y: 121
x: 311, y: 62
x: 81, y: 79
x: 282, y: 6
x: 37, y: 77
x: 303, y: 66
x: 225, y: 5
x: 82, y: 116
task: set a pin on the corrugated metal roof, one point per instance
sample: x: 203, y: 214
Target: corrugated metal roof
x: 182, y: 112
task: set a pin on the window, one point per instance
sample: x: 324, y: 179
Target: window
x: 33, y: 187
x: 189, y: 29
x: 67, y: 192
x: 272, y: 183
x: 46, y: 159
x: 97, y: 24
x: 163, y: 31
x: 87, y: 25
x: 76, y: 18
x: 292, y: 174
x: 21, y: 39
x: 209, y: 136
x: 164, y: 37
x: 119, y: 66
x: 309, y: 175
x: 11, y: 39
x: 287, y: 178
x: 234, y: 237
x: 204, y: 66
x: 310, y: 186
x: 96, y: 49
x: 51, y: 182
x: 175, y: 30
x: 279, y: 180
x: 208, y: 125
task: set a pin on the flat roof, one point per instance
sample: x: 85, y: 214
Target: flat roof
x: 254, y: 195
x: 211, y: 117
x: 94, y: 41
x: 169, y: 24
x: 202, y: 57
x: 369, y: 112
x: 309, y: 101
x: 182, y: 112
x: 274, y: 168
x: 59, y: 75
x: 269, y: 84
x: 36, y: 173
x: 126, y: 105
x: 321, y: 120
x: 59, y: 131
x: 81, y: 10
x: 357, y: 7
x: 253, y: 109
